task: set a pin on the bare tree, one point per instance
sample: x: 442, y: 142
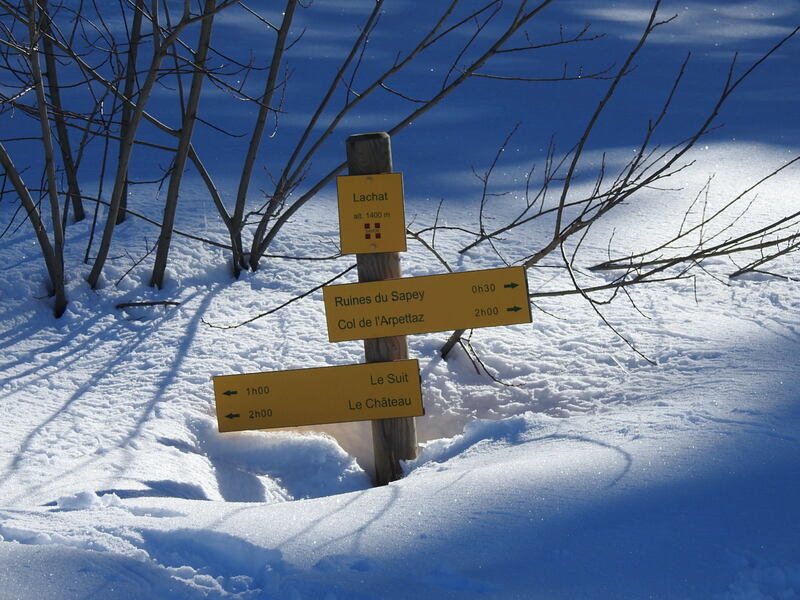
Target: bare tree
x: 161, y: 49
x: 182, y: 153
x: 114, y: 56
x: 54, y: 90
x: 107, y: 64
x: 129, y: 90
x: 53, y: 260
x: 507, y: 24
x: 572, y: 217
x: 28, y: 70
x: 760, y: 245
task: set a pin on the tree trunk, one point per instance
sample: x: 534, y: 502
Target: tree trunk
x: 128, y: 91
x: 394, y: 439
x: 56, y: 263
x: 55, y: 269
x: 70, y: 168
x: 189, y: 120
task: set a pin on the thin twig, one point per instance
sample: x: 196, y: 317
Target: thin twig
x: 124, y: 305
x: 285, y: 304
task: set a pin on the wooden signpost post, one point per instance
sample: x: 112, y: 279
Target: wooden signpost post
x: 382, y: 308
x: 394, y: 439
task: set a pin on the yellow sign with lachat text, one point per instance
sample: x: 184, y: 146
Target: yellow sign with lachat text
x: 371, y: 213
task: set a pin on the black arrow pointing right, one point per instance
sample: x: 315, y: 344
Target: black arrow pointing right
x: 514, y: 309
x: 511, y: 285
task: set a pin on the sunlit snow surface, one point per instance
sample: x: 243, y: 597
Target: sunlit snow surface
x: 584, y: 472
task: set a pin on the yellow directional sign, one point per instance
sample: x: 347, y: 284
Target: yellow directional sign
x: 409, y: 305
x: 323, y: 395
x: 371, y: 213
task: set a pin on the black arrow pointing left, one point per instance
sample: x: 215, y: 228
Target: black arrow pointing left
x: 230, y: 392
x: 233, y: 415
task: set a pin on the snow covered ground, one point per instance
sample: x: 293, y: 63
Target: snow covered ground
x: 587, y: 473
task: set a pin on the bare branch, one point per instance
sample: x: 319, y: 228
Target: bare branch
x: 285, y: 304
